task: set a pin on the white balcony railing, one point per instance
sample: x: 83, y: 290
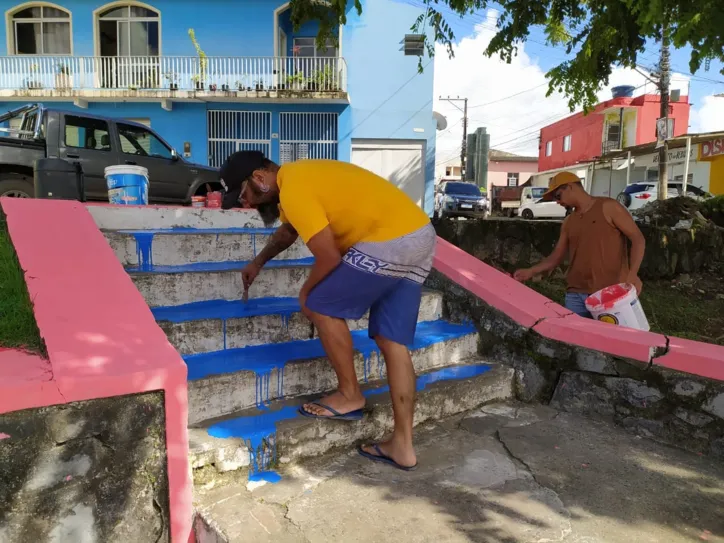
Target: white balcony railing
x: 174, y: 73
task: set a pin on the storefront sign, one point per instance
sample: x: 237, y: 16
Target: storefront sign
x: 712, y: 148
x: 675, y: 156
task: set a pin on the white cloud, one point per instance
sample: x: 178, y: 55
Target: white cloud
x: 513, y: 120
x: 709, y: 117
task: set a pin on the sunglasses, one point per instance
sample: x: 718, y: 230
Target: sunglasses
x: 243, y: 190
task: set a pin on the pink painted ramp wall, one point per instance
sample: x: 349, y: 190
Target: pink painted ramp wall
x: 101, y: 337
x: 532, y: 310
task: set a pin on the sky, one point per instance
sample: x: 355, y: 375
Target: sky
x: 510, y: 99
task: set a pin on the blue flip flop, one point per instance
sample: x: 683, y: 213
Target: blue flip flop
x: 382, y: 457
x: 336, y: 415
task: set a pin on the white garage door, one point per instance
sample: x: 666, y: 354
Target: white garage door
x: 400, y: 162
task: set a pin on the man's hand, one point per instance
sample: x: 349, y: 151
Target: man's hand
x: 249, y: 273
x: 634, y: 280
x: 524, y: 274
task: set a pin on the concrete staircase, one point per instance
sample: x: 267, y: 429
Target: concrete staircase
x: 251, y: 365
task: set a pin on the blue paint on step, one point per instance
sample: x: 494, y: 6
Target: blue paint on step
x: 236, y: 265
x: 263, y: 358
x: 226, y: 309
x: 268, y: 476
x: 259, y: 431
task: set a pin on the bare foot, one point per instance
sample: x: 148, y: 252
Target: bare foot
x: 402, y: 455
x: 337, y: 401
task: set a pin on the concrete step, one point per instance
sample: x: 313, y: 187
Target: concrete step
x: 258, y: 439
x: 221, y: 324
x: 200, y: 282
x: 146, y: 249
x: 224, y: 382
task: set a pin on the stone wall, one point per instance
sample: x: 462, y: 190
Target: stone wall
x: 511, y: 244
x: 85, y: 472
x: 670, y: 406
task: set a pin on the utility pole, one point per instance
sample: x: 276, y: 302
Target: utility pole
x: 464, y: 146
x: 664, y: 81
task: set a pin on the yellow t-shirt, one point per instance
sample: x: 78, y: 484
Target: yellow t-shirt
x: 356, y: 204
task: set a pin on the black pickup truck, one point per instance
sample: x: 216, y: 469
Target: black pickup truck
x: 33, y: 131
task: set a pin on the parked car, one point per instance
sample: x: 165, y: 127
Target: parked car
x: 509, y: 199
x: 540, y: 209
x: 460, y: 199
x: 637, y: 195
x: 33, y: 131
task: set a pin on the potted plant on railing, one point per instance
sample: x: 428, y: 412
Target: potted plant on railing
x: 293, y: 82
x: 62, y: 77
x: 198, y: 82
x: 225, y: 87
x: 172, y: 78
x: 31, y: 82
x: 324, y: 80
x: 259, y: 87
x: 199, y: 78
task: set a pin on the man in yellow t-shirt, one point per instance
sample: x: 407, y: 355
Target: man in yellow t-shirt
x: 373, y: 248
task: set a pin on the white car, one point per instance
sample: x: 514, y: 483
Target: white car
x: 637, y: 195
x: 539, y: 209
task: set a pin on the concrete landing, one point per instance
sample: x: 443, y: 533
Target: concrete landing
x: 503, y: 474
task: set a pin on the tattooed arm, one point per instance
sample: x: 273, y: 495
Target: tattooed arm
x: 282, y: 239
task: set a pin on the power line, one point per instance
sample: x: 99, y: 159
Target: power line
x: 509, y: 97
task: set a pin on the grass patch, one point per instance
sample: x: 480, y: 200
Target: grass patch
x: 689, y: 307
x: 17, y: 323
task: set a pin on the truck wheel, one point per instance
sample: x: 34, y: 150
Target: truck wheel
x: 528, y: 214
x: 16, y: 186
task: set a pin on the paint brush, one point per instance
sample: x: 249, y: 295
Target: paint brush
x: 245, y: 297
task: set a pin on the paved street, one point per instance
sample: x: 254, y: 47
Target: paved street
x: 505, y: 474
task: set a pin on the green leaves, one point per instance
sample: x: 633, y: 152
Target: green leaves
x: 597, y: 34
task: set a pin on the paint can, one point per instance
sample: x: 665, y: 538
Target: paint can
x: 213, y: 199
x: 198, y: 201
x: 618, y: 304
x: 127, y: 185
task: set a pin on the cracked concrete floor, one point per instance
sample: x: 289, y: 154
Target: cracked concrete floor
x: 503, y: 474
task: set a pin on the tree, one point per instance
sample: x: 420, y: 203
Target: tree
x: 598, y: 34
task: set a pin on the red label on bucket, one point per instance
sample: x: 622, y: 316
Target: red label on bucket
x: 608, y: 296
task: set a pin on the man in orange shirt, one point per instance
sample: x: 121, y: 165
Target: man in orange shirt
x: 373, y: 248
x: 595, y: 239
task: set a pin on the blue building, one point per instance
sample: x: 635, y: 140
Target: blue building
x: 250, y: 81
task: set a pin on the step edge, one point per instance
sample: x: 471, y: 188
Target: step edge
x: 232, y: 454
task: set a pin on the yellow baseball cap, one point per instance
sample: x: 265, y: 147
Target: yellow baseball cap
x: 557, y: 181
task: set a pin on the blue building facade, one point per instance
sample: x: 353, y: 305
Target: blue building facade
x: 257, y: 83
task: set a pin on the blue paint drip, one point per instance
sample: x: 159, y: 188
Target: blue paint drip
x: 259, y: 434
x: 144, y: 250
x: 253, y: 244
x: 223, y: 331
x: 259, y: 431
x: 263, y: 358
x: 221, y: 266
x: 262, y: 388
x: 280, y: 382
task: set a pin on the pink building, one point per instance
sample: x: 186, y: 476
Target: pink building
x: 509, y: 170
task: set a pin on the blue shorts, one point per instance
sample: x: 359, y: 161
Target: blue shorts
x: 576, y: 302
x: 385, y: 278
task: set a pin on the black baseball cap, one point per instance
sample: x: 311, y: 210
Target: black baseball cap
x: 235, y: 171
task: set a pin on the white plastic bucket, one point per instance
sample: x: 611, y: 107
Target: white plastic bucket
x: 618, y: 304
x: 127, y: 185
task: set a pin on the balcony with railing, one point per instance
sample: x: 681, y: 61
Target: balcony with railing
x: 208, y: 78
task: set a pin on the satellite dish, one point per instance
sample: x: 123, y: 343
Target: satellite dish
x: 440, y: 120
